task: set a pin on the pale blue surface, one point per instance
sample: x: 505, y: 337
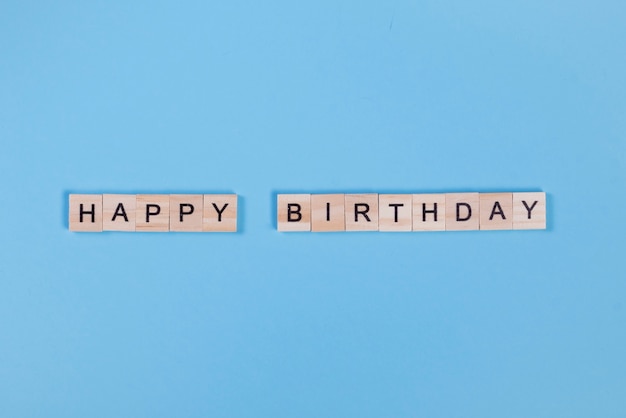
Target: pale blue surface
x: 262, y: 97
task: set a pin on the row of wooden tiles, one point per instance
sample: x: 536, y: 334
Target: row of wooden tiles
x: 153, y: 212
x: 411, y: 212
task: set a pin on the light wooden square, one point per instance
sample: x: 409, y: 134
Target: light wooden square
x: 361, y: 212
x: 462, y: 211
x: 522, y: 202
x: 186, y: 212
x: 118, y: 212
x: 395, y: 212
x: 147, y: 219
x: 294, y: 212
x: 220, y: 213
x: 429, y: 212
x: 496, y: 211
x: 327, y: 214
x: 85, y: 212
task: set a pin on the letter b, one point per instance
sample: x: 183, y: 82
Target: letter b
x: 294, y: 212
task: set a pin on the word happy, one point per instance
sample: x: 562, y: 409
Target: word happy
x: 153, y: 212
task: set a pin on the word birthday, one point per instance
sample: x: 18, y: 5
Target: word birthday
x: 411, y: 212
x: 153, y: 212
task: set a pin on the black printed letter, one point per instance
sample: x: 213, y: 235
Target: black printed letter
x: 120, y: 211
x: 296, y: 212
x: 395, y: 207
x: 529, y: 209
x: 92, y: 212
x: 182, y: 212
x: 497, y: 210
x: 424, y: 211
x: 458, y: 214
x: 219, y: 212
x: 358, y: 212
x: 149, y: 212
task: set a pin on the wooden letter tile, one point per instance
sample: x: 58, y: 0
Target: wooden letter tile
x: 327, y: 212
x: 186, y: 212
x: 361, y: 212
x: 85, y: 212
x: 395, y: 212
x: 294, y: 212
x: 529, y: 210
x: 153, y: 213
x: 220, y: 213
x: 429, y: 212
x: 496, y: 210
x: 118, y: 212
x: 462, y: 211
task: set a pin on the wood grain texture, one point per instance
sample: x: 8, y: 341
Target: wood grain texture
x: 118, y: 212
x: 152, y: 213
x: 294, y: 212
x: 85, y: 212
x: 496, y: 211
x: 220, y: 213
x: 395, y: 212
x: 327, y: 213
x: 529, y: 210
x: 186, y: 212
x: 429, y: 212
x: 361, y: 212
x: 462, y: 211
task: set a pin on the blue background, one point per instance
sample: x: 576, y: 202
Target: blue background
x: 258, y: 98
